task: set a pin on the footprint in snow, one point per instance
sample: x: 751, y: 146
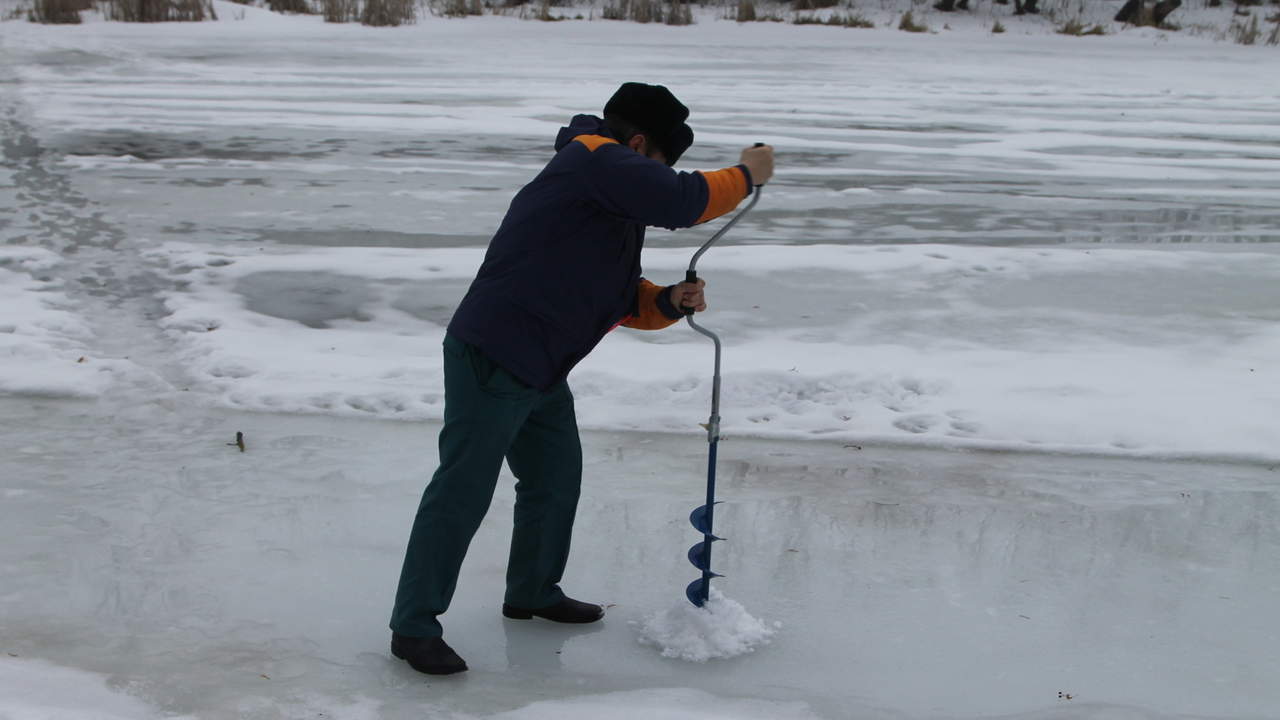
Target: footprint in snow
x: 961, y: 425
x: 917, y: 423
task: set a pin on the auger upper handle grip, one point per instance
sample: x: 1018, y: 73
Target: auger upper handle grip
x: 690, y: 276
x: 759, y: 145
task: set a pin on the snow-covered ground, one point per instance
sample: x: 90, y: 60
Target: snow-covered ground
x: 1001, y: 389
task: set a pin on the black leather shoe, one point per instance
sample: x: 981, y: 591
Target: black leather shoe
x: 431, y: 655
x: 567, y: 610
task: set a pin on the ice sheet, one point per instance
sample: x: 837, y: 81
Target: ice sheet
x: 974, y: 245
x: 204, y: 581
x: 301, y: 223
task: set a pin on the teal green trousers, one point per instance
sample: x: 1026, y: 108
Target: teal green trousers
x: 489, y: 415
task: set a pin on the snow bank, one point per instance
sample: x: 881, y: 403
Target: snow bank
x: 1067, y: 349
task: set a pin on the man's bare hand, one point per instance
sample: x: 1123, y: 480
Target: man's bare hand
x: 688, y: 295
x: 759, y: 160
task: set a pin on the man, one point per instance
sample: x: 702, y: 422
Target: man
x: 561, y: 272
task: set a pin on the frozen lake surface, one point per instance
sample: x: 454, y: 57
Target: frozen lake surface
x: 964, y: 230
x: 1001, y: 351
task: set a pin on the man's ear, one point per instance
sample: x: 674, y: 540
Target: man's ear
x: 638, y: 142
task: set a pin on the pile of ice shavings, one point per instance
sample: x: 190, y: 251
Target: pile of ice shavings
x: 721, y: 628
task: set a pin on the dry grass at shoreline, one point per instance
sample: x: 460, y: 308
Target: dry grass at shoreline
x: 1248, y: 22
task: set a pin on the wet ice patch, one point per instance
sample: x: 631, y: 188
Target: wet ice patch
x: 37, y: 690
x: 666, y: 703
x: 314, y: 299
x: 721, y: 628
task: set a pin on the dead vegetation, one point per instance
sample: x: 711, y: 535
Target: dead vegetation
x: 850, y: 20
x: 909, y: 24
x: 289, y: 7
x: 149, y: 11
x: 387, y: 13
x: 1248, y: 23
x: 1076, y: 28
x: 57, y: 12
x: 1141, y: 14
x: 649, y: 11
x: 1246, y: 32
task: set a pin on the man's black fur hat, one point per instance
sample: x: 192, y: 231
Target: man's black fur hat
x: 657, y: 113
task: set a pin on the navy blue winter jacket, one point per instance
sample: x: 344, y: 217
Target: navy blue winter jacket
x: 564, y: 267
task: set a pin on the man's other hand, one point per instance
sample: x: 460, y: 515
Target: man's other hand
x: 688, y: 295
x: 759, y: 160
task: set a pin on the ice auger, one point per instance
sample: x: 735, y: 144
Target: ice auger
x: 702, y: 517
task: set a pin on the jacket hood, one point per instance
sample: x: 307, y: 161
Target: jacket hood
x: 581, y: 125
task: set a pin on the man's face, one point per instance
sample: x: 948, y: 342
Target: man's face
x: 641, y: 144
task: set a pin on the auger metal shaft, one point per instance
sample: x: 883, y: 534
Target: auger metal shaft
x: 703, y: 517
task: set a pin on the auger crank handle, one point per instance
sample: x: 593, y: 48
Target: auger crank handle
x: 691, y: 275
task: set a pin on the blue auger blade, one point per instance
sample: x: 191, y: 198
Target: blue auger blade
x: 699, y: 590
x: 699, y: 519
x: 695, y: 592
x: 700, y: 554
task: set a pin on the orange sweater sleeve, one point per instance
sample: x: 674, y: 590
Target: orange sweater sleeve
x: 650, y: 316
x: 725, y: 189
